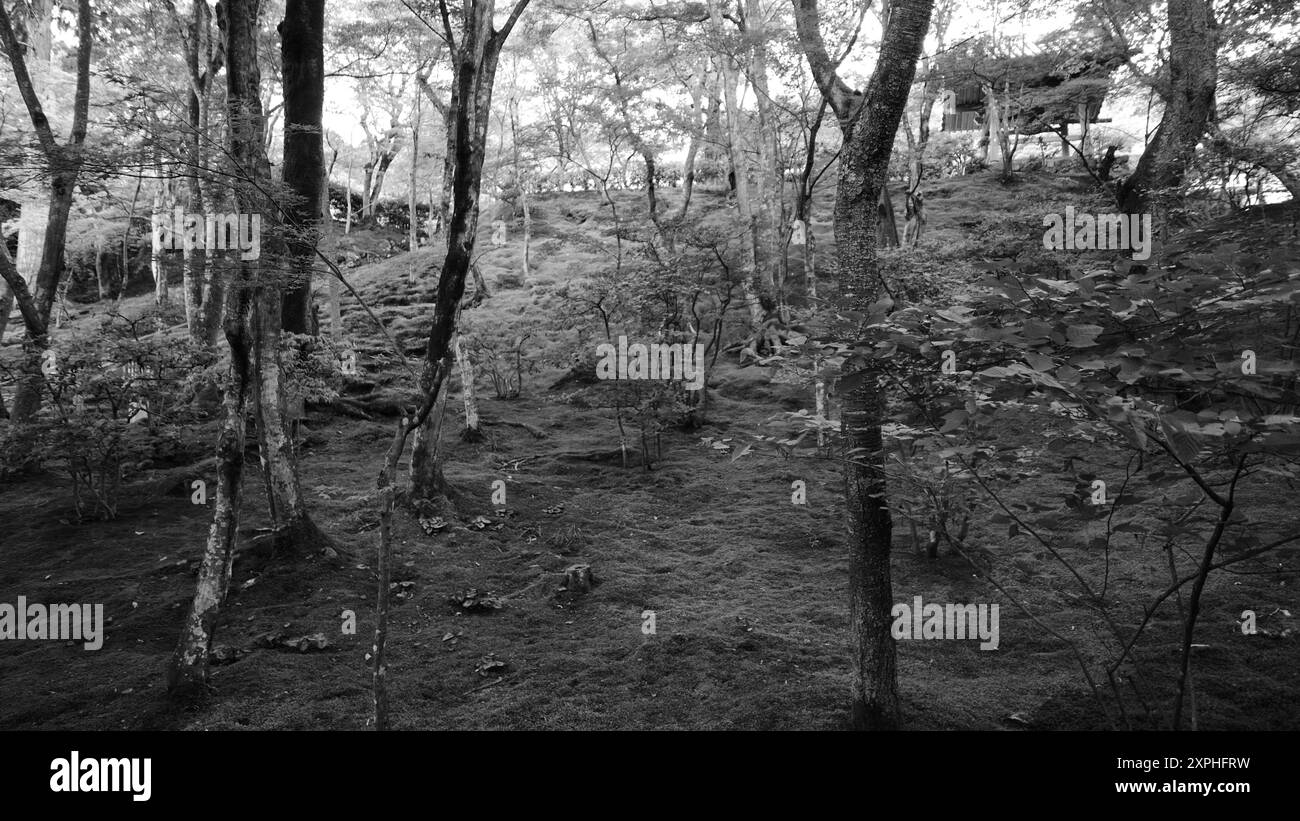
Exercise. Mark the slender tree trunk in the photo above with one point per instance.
(279, 461)
(869, 124)
(99, 271)
(187, 675)
(295, 529)
(751, 280)
(804, 204)
(6, 304)
(476, 60)
(413, 232)
(35, 205)
(698, 129)
(772, 216)
(381, 167)
(206, 326)
(367, 179)
(347, 220)
(471, 433)
(810, 252)
(203, 59)
(528, 233)
(986, 133)
(522, 184)
(161, 207)
(887, 226)
(448, 165)
(37, 341)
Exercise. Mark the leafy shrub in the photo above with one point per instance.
(119, 403)
(950, 154)
(913, 277)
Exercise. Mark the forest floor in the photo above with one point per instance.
(749, 592)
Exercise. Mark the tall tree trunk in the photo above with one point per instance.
(772, 215)
(187, 674)
(522, 184)
(37, 341)
(162, 205)
(699, 127)
(448, 166)
(887, 225)
(206, 326)
(295, 529)
(986, 131)
(245, 317)
(751, 281)
(377, 172)
(203, 59)
(347, 219)
(99, 271)
(34, 206)
(302, 56)
(63, 164)
(1189, 105)
(471, 432)
(196, 260)
(367, 179)
(413, 224)
(930, 87)
(868, 123)
(6, 301)
(204, 286)
(476, 60)
(803, 206)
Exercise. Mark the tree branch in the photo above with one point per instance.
(838, 94)
(24, 79)
(26, 304)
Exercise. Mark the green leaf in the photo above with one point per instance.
(1183, 445)
(1130, 370)
(953, 420)
(1082, 336)
(1039, 362)
(1134, 431)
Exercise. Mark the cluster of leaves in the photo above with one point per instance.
(950, 154)
(1157, 359)
(312, 367)
(1190, 367)
(120, 404)
(915, 278)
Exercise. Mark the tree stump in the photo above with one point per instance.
(578, 579)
